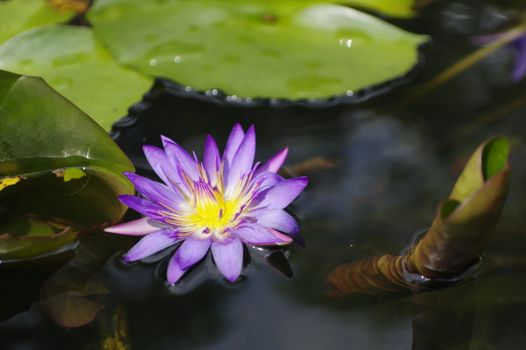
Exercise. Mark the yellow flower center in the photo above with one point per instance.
(216, 214)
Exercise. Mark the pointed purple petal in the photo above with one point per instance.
(234, 140)
(243, 159)
(229, 258)
(258, 235)
(138, 227)
(151, 244)
(211, 159)
(154, 191)
(267, 180)
(277, 219)
(143, 206)
(160, 164)
(283, 237)
(179, 158)
(482, 40)
(519, 71)
(174, 271)
(283, 193)
(274, 164)
(191, 251)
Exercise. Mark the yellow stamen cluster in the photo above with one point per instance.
(208, 210)
(215, 214)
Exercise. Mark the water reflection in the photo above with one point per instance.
(444, 319)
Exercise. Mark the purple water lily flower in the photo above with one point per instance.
(218, 204)
(519, 45)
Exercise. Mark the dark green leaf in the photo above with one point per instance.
(59, 171)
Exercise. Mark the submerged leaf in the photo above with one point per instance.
(19, 15)
(65, 296)
(70, 296)
(74, 64)
(71, 311)
(270, 49)
(68, 170)
(113, 329)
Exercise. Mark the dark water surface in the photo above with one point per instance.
(393, 163)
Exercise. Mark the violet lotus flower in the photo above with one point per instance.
(519, 45)
(218, 204)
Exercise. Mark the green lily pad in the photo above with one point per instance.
(60, 172)
(270, 49)
(19, 15)
(79, 68)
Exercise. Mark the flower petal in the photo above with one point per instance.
(277, 219)
(143, 206)
(234, 140)
(155, 191)
(481, 40)
(228, 258)
(519, 72)
(243, 159)
(138, 227)
(174, 271)
(274, 163)
(179, 158)
(151, 244)
(267, 180)
(211, 159)
(161, 165)
(283, 193)
(286, 239)
(258, 235)
(191, 251)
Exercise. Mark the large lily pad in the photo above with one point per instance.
(270, 49)
(59, 171)
(19, 15)
(79, 68)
